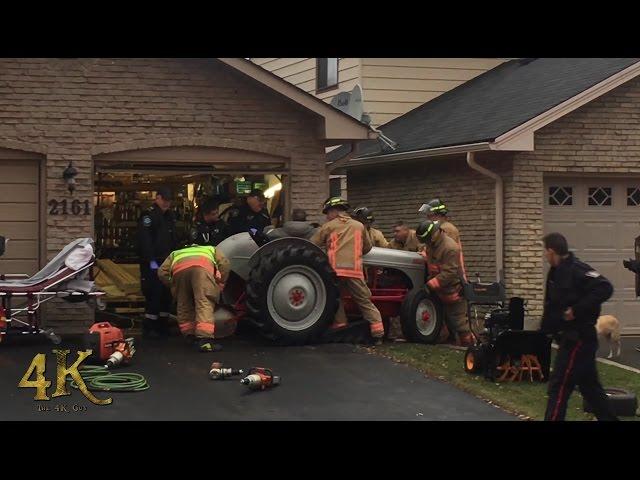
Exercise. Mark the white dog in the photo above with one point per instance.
(608, 328)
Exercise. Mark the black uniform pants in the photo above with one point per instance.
(575, 365)
(157, 297)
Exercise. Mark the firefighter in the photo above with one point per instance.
(365, 216)
(156, 240)
(573, 296)
(251, 215)
(346, 240)
(404, 238)
(437, 211)
(296, 227)
(196, 276)
(209, 229)
(444, 278)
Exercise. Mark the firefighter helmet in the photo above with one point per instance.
(434, 206)
(426, 230)
(335, 202)
(363, 214)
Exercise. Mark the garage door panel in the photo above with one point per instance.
(601, 236)
(20, 172)
(18, 193)
(21, 250)
(28, 267)
(19, 212)
(19, 230)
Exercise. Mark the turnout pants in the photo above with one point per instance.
(362, 297)
(196, 294)
(575, 365)
(455, 315)
(157, 297)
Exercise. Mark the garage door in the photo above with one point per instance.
(19, 207)
(600, 218)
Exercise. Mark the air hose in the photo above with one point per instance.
(99, 379)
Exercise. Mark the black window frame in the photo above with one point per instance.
(322, 70)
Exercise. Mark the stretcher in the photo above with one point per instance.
(66, 276)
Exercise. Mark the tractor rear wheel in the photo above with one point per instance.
(292, 294)
(421, 317)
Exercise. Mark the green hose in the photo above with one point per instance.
(100, 379)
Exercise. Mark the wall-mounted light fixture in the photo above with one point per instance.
(69, 176)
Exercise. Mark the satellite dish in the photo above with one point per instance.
(349, 102)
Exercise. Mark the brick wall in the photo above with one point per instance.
(600, 137)
(396, 192)
(70, 106)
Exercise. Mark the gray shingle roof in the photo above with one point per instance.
(491, 104)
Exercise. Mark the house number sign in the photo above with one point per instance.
(62, 207)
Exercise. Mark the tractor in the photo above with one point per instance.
(288, 290)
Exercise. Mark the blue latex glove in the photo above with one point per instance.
(153, 264)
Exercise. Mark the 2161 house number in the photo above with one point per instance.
(62, 207)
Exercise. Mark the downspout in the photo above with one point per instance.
(499, 212)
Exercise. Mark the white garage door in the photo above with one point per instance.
(601, 219)
(19, 207)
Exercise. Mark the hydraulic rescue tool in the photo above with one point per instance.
(260, 378)
(216, 372)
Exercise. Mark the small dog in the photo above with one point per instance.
(608, 328)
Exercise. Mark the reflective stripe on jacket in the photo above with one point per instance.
(194, 256)
(345, 240)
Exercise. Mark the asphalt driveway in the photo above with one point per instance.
(325, 382)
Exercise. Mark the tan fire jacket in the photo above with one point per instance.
(346, 240)
(223, 267)
(452, 231)
(444, 268)
(411, 245)
(377, 238)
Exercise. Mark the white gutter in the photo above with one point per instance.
(499, 212)
(431, 152)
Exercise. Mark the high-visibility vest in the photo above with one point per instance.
(194, 256)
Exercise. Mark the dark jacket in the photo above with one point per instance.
(574, 284)
(241, 219)
(293, 229)
(157, 236)
(210, 234)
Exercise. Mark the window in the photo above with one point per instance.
(600, 196)
(561, 196)
(335, 187)
(326, 73)
(633, 196)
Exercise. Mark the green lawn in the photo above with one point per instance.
(523, 398)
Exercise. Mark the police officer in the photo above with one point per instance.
(251, 215)
(209, 229)
(156, 240)
(365, 216)
(573, 297)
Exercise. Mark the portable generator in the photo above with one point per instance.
(108, 345)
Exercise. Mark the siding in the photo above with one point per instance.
(391, 86)
(394, 86)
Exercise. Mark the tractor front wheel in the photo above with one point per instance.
(421, 317)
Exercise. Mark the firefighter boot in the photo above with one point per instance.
(206, 345)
